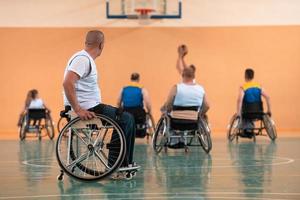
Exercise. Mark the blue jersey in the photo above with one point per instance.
(252, 92)
(132, 96)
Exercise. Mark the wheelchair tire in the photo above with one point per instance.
(270, 127)
(159, 138)
(90, 150)
(150, 125)
(233, 128)
(23, 128)
(49, 126)
(204, 136)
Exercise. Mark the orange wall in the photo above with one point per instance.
(36, 58)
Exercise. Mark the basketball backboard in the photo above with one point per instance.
(131, 9)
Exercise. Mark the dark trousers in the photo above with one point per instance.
(127, 124)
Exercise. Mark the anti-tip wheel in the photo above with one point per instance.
(128, 176)
(60, 177)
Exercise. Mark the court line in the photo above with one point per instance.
(162, 194)
(287, 161)
(205, 197)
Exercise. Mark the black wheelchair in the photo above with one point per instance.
(90, 150)
(261, 122)
(145, 124)
(37, 122)
(183, 124)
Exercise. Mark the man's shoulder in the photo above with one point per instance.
(81, 56)
(252, 84)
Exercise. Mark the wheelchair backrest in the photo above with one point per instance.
(252, 110)
(138, 113)
(36, 113)
(190, 113)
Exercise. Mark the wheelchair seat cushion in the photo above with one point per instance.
(184, 114)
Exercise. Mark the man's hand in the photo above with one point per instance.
(269, 113)
(85, 114)
(182, 50)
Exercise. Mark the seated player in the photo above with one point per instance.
(134, 98)
(250, 94)
(33, 101)
(187, 94)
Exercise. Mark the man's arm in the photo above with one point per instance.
(240, 101)
(119, 101)
(267, 98)
(168, 104)
(181, 64)
(205, 105)
(69, 88)
(147, 102)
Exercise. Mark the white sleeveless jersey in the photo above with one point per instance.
(36, 104)
(189, 95)
(87, 90)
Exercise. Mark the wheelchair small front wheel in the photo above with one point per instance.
(90, 150)
(270, 127)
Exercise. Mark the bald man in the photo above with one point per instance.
(82, 92)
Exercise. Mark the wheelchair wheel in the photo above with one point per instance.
(233, 128)
(23, 129)
(159, 138)
(204, 136)
(270, 127)
(62, 122)
(92, 149)
(150, 125)
(49, 126)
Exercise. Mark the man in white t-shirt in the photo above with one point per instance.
(82, 93)
(187, 93)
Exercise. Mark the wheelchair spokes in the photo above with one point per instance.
(264, 122)
(270, 127)
(90, 150)
(233, 130)
(165, 136)
(204, 136)
(150, 125)
(49, 126)
(159, 138)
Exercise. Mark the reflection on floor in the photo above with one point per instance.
(243, 170)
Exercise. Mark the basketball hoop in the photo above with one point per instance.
(144, 13)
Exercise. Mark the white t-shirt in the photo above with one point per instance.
(189, 95)
(36, 104)
(87, 91)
